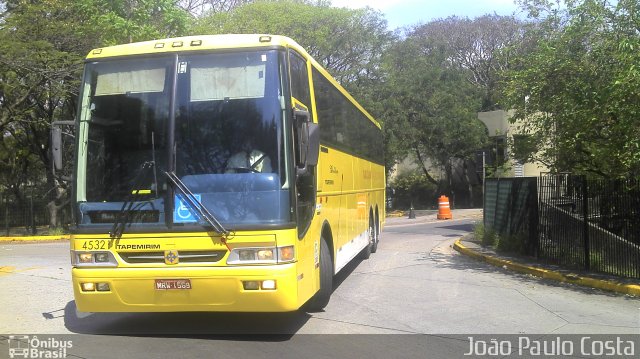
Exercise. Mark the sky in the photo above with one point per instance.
(403, 13)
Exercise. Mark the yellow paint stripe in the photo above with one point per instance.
(34, 238)
(4, 270)
(9, 270)
(611, 286)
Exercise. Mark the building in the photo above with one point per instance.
(504, 135)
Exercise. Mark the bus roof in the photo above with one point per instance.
(194, 43)
(215, 42)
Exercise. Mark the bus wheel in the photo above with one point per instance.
(366, 252)
(376, 239)
(321, 298)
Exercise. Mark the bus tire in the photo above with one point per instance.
(376, 236)
(321, 298)
(366, 251)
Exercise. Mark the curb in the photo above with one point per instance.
(611, 286)
(34, 238)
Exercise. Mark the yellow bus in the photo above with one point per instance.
(219, 173)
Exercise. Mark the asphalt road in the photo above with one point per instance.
(415, 284)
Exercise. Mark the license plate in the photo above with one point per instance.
(166, 284)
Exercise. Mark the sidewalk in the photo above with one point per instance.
(472, 248)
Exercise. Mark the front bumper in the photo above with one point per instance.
(212, 289)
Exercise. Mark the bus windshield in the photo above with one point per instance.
(228, 139)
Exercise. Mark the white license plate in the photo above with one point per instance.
(167, 284)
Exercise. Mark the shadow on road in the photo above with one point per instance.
(232, 326)
(457, 261)
(265, 326)
(467, 227)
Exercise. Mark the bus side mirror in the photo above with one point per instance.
(57, 147)
(308, 141)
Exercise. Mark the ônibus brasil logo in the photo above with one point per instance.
(25, 346)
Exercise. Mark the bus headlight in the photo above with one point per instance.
(85, 258)
(265, 254)
(269, 255)
(93, 259)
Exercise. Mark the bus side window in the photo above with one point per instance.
(300, 80)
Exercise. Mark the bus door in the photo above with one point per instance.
(308, 245)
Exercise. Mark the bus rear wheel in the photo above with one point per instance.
(321, 298)
(366, 251)
(376, 238)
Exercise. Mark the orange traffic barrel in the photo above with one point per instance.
(444, 210)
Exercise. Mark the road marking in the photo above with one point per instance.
(5, 270)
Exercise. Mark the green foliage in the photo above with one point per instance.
(486, 236)
(349, 43)
(56, 231)
(472, 45)
(502, 243)
(430, 107)
(414, 188)
(135, 20)
(575, 86)
(42, 45)
(510, 243)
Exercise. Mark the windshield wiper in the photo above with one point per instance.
(124, 215)
(194, 203)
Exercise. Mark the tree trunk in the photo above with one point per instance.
(424, 168)
(54, 209)
(468, 182)
(53, 214)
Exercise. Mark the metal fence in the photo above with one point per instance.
(590, 224)
(23, 218)
(572, 221)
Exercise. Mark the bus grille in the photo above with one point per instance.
(184, 257)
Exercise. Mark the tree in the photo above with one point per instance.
(42, 44)
(576, 90)
(474, 45)
(349, 43)
(431, 107)
(199, 7)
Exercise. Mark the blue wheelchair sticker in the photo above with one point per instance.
(182, 212)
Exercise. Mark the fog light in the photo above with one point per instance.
(85, 257)
(102, 257)
(251, 285)
(269, 284)
(88, 287)
(102, 287)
